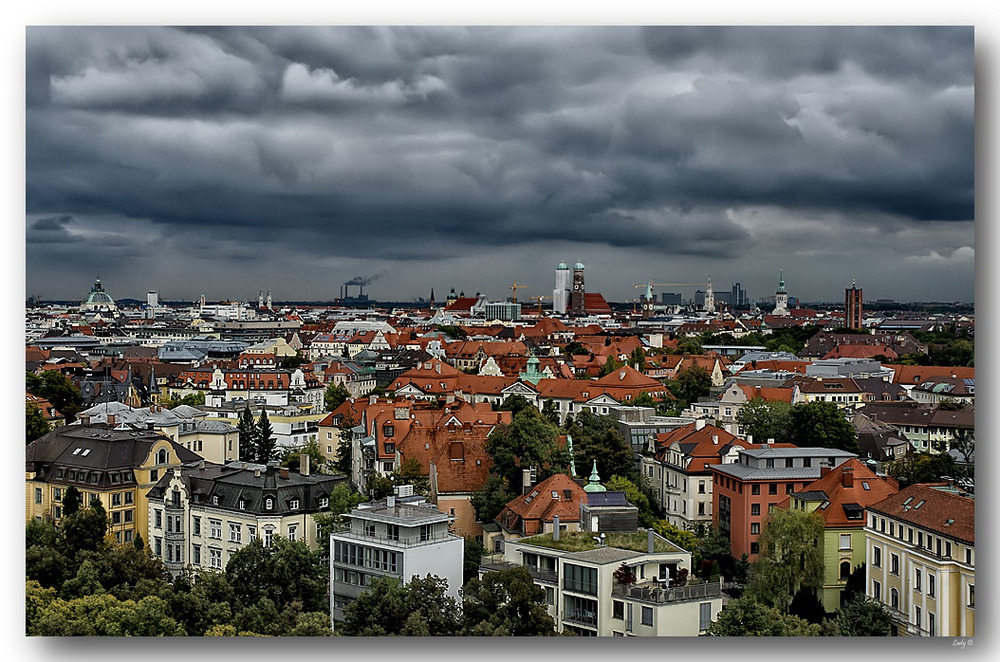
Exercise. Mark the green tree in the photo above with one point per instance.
(790, 558)
(863, 617)
(822, 425)
(265, 439)
(421, 607)
(690, 384)
(35, 424)
(765, 420)
(489, 500)
(472, 556)
(84, 530)
(610, 365)
(685, 539)
(550, 413)
(58, 389)
(529, 441)
(247, 427)
(598, 438)
(637, 359)
(72, 500)
(745, 617)
(688, 346)
(379, 486)
(293, 457)
(335, 395)
(922, 467)
(285, 572)
(504, 604)
(515, 404)
(342, 500)
(634, 495)
(105, 615)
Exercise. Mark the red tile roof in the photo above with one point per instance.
(838, 493)
(538, 506)
(944, 512)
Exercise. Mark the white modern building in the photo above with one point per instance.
(393, 537)
(585, 597)
(560, 295)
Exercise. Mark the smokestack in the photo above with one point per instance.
(555, 527)
(304, 460)
(699, 424)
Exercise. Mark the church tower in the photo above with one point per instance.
(781, 298)
(577, 297)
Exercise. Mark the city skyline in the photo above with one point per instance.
(210, 161)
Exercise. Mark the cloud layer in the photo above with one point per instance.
(228, 160)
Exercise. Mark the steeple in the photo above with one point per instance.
(781, 281)
(595, 482)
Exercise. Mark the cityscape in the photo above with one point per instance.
(587, 332)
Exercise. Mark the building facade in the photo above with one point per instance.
(921, 556)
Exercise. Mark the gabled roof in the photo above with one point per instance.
(866, 488)
(628, 377)
(915, 374)
(702, 447)
(538, 506)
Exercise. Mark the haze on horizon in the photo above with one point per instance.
(225, 161)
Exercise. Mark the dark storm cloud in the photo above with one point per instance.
(420, 144)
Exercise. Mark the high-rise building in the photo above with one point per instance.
(577, 298)
(853, 314)
(560, 295)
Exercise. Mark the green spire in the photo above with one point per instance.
(595, 482)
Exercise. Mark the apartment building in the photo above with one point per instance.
(616, 584)
(394, 537)
(203, 513)
(921, 555)
(743, 492)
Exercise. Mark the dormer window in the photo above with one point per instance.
(268, 503)
(324, 502)
(215, 499)
(161, 456)
(294, 504)
(242, 504)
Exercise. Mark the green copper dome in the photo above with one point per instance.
(562, 266)
(578, 265)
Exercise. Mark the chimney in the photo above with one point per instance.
(749, 438)
(555, 527)
(85, 419)
(649, 541)
(304, 460)
(847, 476)
(201, 465)
(283, 472)
(699, 424)
(256, 473)
(372, 399)
(390, 501)
(150, 424)
(715, 439)
(525, 480)
(824, 469)
(111, 420)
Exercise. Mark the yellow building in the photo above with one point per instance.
(921, 560)
(115, 465)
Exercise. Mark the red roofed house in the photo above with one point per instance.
(679, 471)
(726, 408)
(921, 560)
(534, 512)
(840, 497)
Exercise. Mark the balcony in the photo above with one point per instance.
(581, 616)
(543, 574)
(402, 541)
(656, 593)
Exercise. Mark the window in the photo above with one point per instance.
(916, 579)
(324, 502)
(704, 615)
(58, 512)
(116, 517)
(876, 590)
(294, 505)
(196, 526)
(972, 595)
(618, 610)
(807, 462)
(894, 567)
(241, 504)
(215, 529)
(701, 507)
(215, 558)
(755, 509)
(788, 462)
(894, 598)
(701, 485)
(158, 546)
(930, 585)
(930, 624)
(917, 616)
(57, 494)
(38, 495)
(154, 475)
(158, 518)
(292, 533)
(877, 557)
(772, 488)
(845, 540)
(769, 463)
(268, 535)
(755, 489)
(425, 532)
(755, 528)
(129, 515)
(161, 456)
(579, 578)
(268, 503)
(196, 554)
(755, 548)
(116, 499)
(128, 498)
(845, 570)
(647, 615)
(235, 532)
(370, 529)
(392, 531)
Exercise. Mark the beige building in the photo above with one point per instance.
(118, 466)
(921, 560)
(200, 515)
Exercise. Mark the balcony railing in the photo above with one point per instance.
(543, 574)
(656, 593)
(397, 542)
(584, 617)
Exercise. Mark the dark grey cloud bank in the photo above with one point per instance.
(228, 160)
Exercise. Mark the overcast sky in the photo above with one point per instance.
(226, 161)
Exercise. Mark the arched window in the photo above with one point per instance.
(894, 598)
(161, 456)
(268, 503)
(845, 569)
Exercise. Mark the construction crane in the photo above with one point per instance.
(539, 300)
(513, 290)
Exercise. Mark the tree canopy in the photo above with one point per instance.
(745, 617)
(420, 607)
(766, 420)
(790, 558)
(58, 389)
(504, 604)
(529, 441)
(863, 617)
(822, 425)
(35, 424)
(597, 437)
(335, 395)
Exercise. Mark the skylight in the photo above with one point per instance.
(920, 503)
